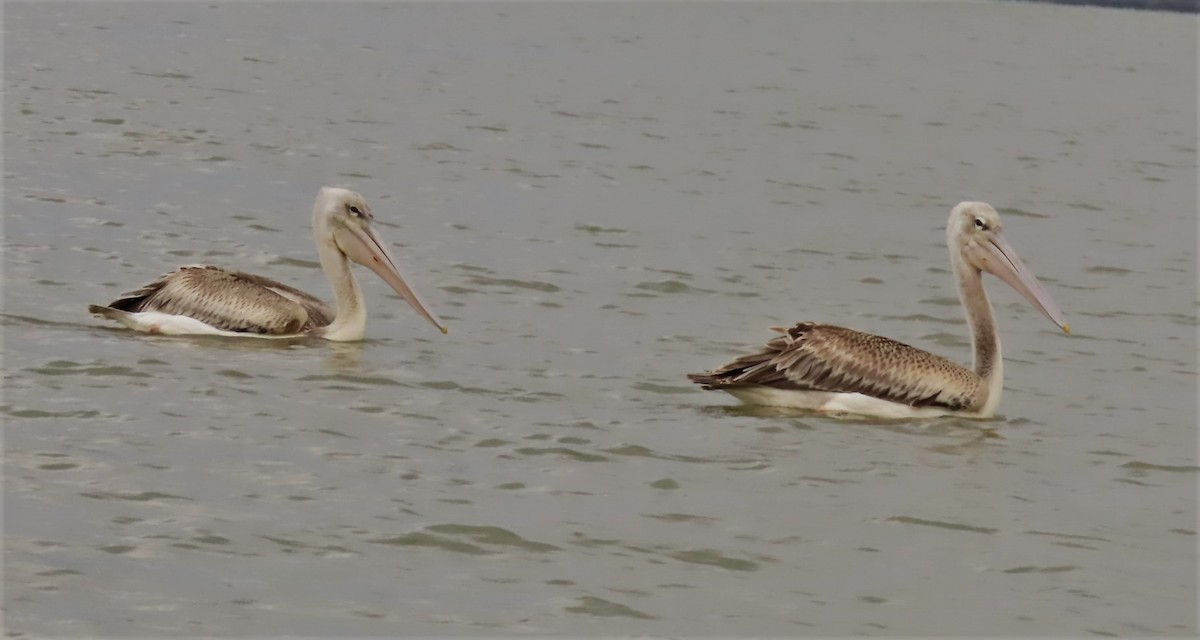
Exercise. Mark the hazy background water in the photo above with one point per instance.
(598, 199)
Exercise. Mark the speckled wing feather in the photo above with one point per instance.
(229, 300)
(818, 357)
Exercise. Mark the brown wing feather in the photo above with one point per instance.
(229, 300)
(817, 357)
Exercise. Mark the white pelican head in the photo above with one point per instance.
(344, 219)
(974, 236)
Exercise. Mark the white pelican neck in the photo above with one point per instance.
(350, 313)
(987, 362)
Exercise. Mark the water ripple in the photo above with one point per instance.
(446, 537)
(593, 606)
(941, 524)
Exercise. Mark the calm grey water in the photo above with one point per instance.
(598, 199)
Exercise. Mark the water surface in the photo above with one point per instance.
(597, 199)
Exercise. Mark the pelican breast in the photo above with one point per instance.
(229, 301)
(819, 357)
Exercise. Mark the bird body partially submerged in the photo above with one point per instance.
(208, 300)
(216, 301)
(810, 365)
(838, 370)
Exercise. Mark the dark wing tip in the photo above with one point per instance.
(710, 380)
(756, 368)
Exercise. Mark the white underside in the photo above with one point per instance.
(841, 403)
(173, 325)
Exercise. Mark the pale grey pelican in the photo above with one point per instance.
(202, 299)
(832, 369)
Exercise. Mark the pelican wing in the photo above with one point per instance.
(818, 357)
(229, 300)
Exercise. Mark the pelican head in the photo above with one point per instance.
(343, 219)
(974, 236)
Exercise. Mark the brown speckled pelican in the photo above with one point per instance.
(210, 300)
(837, 370)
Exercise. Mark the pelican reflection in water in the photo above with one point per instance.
(211, 300)
(838, 370)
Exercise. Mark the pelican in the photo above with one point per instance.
(202, 299)
(836, 370)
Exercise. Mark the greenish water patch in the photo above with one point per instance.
(1108, 270)
(669, 287)
(583, 540)
(58, 466)
(562, 451)
(13, 319)
(472, 268)
(68, 368)
(714, 558)
(679, 517)
(1146, 466)
(145, 496)
(534, 285)
(421, 539)
(942, 525)
(826, 480)
(1070, 536)
(593, 606)
(437, 146)
(57, 572)
(295, 262)
(1014, 211)
(536, 396)
(592, 229)
(449, 385)
(492, 536)
(458, 291)
(943, 301)
(662, 388)
(291, 544)
(922, 318)
(643, 452)
(799, 124)
(38, 413)
(476, 534)
(1035, 569)
(342, 377)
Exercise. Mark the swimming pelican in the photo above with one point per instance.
(837, 370)
(201, 299)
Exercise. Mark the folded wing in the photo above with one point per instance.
(817, 357)
(230, 301)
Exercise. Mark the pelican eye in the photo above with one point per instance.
(980, 224)
(354, 211)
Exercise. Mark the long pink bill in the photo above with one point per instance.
(998, 258)
(366, 249)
